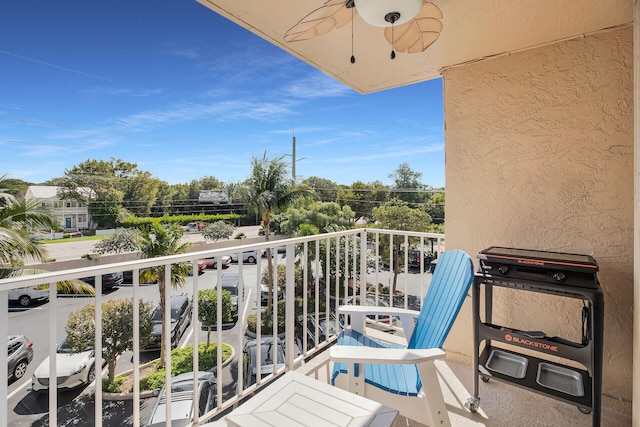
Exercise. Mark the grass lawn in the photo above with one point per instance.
(74, 239)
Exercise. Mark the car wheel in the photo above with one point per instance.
(24, 300)
(20, 369)
(251, 260)
(91, 376)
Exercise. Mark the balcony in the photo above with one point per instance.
(315, 269)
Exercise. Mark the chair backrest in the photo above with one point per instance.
(449, 286)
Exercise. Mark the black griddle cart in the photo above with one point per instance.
(560, 274)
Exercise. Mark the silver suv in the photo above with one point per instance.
(20, 354)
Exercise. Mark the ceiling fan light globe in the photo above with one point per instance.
(374, 11)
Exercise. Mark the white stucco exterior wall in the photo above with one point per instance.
(539, 155)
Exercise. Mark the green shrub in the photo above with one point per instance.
(182, 361)
(113, 386)
(134, 222)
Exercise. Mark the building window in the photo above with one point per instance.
(57, 204)
(81, 218)
(68, 204)
(43, 204)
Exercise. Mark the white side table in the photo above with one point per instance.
(298, 400)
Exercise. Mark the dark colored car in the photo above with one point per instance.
(109, 280)
(143, 279)
(326, 328)
(414, 259)
(180, 320)
(182, 400)
(270, 349)
(19, 355)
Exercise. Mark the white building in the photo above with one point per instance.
(71, 215)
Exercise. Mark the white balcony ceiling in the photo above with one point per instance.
(472, 30)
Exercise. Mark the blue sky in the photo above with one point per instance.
(184, 93)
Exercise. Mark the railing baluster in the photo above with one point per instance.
(53, 340)
(136, 347)
(4, 331)
(97, 367)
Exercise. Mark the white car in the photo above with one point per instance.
(248, 257)
(73, 370)
(25, 296)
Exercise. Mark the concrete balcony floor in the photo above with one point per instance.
(501, 405)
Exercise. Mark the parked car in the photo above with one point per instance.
(230, 282)
(143, 280)
(19, 355)
(202, 265)
(264, 294)
(212, 262)
(73, 370)
(109, 280)
(326, 328)
(180, 320)
(182, 400)
(270, 349)
(248, 257)
(25, 296)
(414, 259)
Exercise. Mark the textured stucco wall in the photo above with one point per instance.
(539, 154)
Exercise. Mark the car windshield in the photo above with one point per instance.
(157, 316)
(66, 348)
(266, 354)
(232, 289)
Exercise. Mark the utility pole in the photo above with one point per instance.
(293, 158)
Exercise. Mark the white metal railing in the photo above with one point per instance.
(321, 270)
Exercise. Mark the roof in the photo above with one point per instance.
(43, 192)
(471, 31)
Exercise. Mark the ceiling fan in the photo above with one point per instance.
(411, 26)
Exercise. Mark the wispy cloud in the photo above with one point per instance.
(389, 154)
(316, 86)
(113, 91)
(59, 67)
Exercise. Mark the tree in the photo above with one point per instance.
(208, 309)
(270, 190)
(321, 215)
(19, 220)
(397, 215)
(105, 185)
(217, 231)
(408, 183)
(362, 198)
(326, 189)
(117, 334)
(152, 242)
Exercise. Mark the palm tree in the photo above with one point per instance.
(155, 242)
(19, 220)
(152, 242)
(269, 190)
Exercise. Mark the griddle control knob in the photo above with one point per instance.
(503, 269)
(559, 277)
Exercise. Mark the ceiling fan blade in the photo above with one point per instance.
(334, 14)
(418, 34)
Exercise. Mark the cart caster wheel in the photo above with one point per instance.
(484, 379)
(473, 404)
(585, 411)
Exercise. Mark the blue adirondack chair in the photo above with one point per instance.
(404, 376)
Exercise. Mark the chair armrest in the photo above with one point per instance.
(359, 312)
(350, 354)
